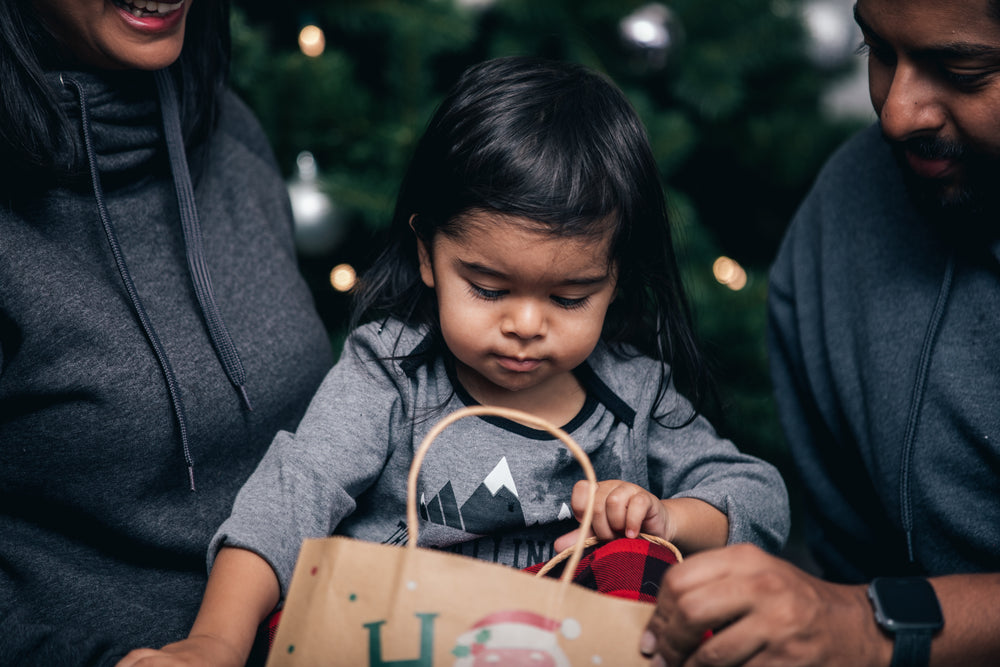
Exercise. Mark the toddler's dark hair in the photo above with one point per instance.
(559, 144)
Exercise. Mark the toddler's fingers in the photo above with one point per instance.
(639, 510)
(566, 541)
(600, 526)
(616, 505)
(578, 500)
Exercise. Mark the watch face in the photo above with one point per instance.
(906, 603)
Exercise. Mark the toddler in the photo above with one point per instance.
(530, 266)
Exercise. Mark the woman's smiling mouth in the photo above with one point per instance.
(149, 8)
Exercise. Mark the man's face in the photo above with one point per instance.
(934, 78)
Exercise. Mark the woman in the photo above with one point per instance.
(154, 330)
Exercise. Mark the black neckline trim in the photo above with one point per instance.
(605, 394)
(589, 405)
(418, 356)
(597, 393)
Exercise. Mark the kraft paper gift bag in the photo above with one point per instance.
(359, 603)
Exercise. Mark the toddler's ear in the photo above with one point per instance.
(424, 255)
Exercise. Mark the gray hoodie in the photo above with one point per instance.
(886, 366)
(102, 540)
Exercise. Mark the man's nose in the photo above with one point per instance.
(912, 106)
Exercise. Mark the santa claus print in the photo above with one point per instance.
(515, 638)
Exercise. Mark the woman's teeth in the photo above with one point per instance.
(140, 8)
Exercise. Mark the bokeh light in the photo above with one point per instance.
(343, 277)
(728, 272)
(312, 41)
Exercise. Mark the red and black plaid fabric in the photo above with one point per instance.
(625, 568)
(272, 627)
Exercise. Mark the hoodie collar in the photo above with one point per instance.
(125, 124)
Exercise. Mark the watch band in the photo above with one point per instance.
(911, 648)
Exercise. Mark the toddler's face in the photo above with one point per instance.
(519, 308)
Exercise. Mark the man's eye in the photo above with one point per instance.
(968, 80)
(879, 52)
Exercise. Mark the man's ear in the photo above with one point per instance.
(424, 256)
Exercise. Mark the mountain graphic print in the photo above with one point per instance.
(494, 505)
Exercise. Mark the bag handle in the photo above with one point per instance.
(518, 416)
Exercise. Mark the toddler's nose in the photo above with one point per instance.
(524, 318)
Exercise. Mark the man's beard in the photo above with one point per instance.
(972, 202)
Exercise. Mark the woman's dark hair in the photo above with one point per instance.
(560, 145)
(31, 123)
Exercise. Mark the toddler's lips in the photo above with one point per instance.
(519, 365)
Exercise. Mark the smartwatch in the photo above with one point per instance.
(908, 610)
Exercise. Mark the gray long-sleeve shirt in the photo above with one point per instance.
(488, 488)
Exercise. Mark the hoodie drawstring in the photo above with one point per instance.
(225, 350)
(916, 401)
(133, 295)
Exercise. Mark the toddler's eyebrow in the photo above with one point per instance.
(482, 269)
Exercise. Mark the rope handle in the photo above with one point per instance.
(576, 551)
(591, 541)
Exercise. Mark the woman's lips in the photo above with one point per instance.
(152, 16)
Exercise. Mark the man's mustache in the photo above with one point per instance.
(932, 148)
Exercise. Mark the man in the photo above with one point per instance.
(884, 309)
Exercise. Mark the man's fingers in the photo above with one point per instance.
(706, 567)
(669, 635)
(704, 593)
(734, 644)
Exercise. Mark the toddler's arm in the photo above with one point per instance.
(625, 509)
(242, 590)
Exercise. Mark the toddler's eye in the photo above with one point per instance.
(569, 304)
(487, 294)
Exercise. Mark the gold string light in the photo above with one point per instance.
(728, 272)
(312, 41)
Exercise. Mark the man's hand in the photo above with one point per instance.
(762, 611)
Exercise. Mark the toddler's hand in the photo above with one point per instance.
(620, 509)
(196, 651)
